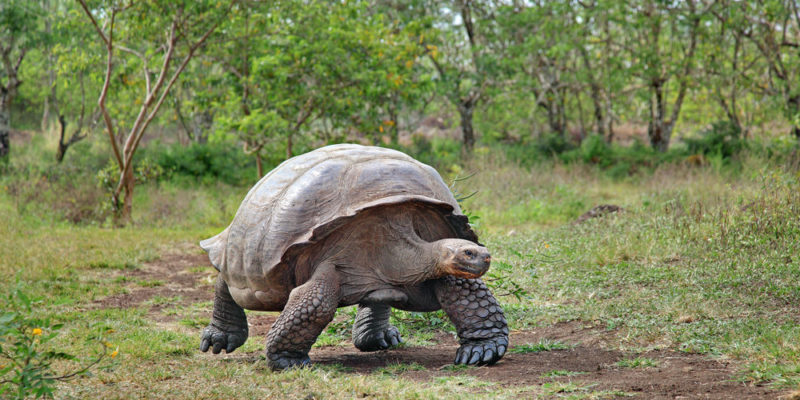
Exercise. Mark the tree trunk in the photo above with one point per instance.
(62, 145)
(259, 165)
(5, 128)
(465, 110)
(289, 146)
(794, 109)
(658, 130)
(127, 206)
(202, 126)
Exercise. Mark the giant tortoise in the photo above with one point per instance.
(345, 225)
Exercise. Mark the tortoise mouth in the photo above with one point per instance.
(469, 271)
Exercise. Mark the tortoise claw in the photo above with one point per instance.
(217, 339)
(378, 339)
(482, 352)
(285, 360)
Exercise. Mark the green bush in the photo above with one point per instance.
(721, 139)
(440, 153)
(201, 162)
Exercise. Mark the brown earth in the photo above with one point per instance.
(676, 376)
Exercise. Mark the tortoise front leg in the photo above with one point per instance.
(310, 308)
(479, 320)
(228, 327)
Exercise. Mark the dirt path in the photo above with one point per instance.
(675, 376)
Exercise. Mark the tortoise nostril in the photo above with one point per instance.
(488, 259)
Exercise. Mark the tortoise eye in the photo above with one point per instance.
(468, 253)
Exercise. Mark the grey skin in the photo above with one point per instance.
(398, 242)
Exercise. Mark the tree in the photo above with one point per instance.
(175, 31)
(604, 72)
(462, 57)
(542, 55)
(311, 66)
(18, 34)
(662, 43)
(773, 27)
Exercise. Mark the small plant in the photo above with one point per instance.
(150, 283)
(25, 356)
(421, 322)
(552, 388)
(500, 281)
(543, 345)
(638, 362)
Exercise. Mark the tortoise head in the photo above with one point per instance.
(462, 258)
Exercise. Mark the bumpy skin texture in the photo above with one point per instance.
(371, 329)
(310, 308)
(479, 320)
(228, 327)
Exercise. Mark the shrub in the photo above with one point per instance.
(722, 139)
(202, 162)
(26, 358)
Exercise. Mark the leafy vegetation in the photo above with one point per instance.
(685, 114)
(544, 345)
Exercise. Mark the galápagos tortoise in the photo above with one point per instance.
(343, 225)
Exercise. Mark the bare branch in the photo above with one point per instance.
(107, 40)
(101, 102)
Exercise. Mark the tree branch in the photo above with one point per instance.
(107, 40)
(101, 101)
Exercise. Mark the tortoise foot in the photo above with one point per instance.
(482, 352)
(218, 339)
(378, 339)
(287, 359)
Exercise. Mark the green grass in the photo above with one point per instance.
(542, 345)
(397, 369)
(638, 362)
(705, 260)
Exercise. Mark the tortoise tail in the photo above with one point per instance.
(215, 247)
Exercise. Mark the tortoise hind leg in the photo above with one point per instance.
(310, 308)
(228, 327)
(372, 331)
(479, 320)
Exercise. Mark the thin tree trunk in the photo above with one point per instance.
(7, 94)
(259, 165)
(62, 146)
(289, 146)
(5, 128)
(794, 108)
(658, 130)
(465, 110)
(127, 207)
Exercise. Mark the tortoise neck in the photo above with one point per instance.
(411, 259)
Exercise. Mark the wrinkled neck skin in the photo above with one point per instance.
(407, 260)
(383, 252)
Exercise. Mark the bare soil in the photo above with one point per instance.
(676, 376)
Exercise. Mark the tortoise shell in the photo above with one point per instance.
(305, 199)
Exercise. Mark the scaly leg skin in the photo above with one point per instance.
(479, 320)
(310, 308)
(228, 327)
(372, 331)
